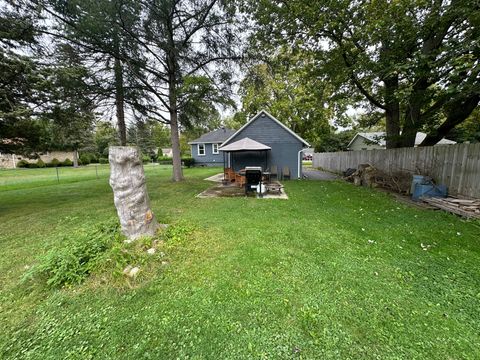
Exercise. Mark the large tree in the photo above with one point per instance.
(415, 61)
(23, 83)
(177, 40)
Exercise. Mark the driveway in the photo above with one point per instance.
(312, 174)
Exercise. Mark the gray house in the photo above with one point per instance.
(205, 148)
(264, 141)
(376, 140)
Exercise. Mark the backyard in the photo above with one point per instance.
(336, 271)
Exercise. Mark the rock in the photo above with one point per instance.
(126, 271)
(133, 273)
(151, 251)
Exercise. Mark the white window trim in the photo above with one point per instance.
(213, 149)
(198, 150)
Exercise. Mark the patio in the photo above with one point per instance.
(231, 189)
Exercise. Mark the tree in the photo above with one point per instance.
(414, 61)
(22, 83)
(177, 40)
(285, 86)
(105, 136)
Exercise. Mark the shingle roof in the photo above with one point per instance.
(215, 136)
(245, 144)
(379, 138)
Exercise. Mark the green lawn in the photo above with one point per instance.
(334, 272)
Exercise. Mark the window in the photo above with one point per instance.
(201, 149)
(214, 148)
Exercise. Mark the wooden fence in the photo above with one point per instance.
(457, 166)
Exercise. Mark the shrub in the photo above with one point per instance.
(84, 159)
(32, 165)
(78, 255)
(103, 160)
(54, 163)
(146, 159)
(22, 164)
(188, 161)
(40, 163)
(67, 162)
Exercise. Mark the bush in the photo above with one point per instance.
(22, 164)
(67, 162)
(146, 159)
(40, 163)
(188, 161)
(78, 255)
(54, 163)
(32, 165)
(84, 159)
(103, 160)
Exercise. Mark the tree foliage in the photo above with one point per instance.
(417, 62)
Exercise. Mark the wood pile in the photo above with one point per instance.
(368, 175)
(469, 208)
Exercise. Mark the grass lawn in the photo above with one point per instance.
(334, 272)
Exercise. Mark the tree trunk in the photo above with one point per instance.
(174, 135)
(459, 111)
(392, 113)
(177, 160)
(75, 158)
(120, 102)
(127, 180)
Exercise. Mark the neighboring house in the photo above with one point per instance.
(264, 141)
(168, 152)
(376, 140)
(9, 161)
(205, 148)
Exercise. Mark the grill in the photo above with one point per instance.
(253, 179)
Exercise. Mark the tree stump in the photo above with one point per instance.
(127, 179)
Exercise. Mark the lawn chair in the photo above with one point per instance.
(240, 180)
(286, 172)
(229, 174)
(274, 172)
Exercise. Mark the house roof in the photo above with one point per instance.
(271, 117)
(245, 144)
(378, 137)
(215, 136)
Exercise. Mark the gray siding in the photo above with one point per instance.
(285, 146)
(209, 159)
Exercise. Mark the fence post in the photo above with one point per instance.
(58, 177)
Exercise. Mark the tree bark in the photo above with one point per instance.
(392, 113)
(120, 102)
(459, 111)
(127, 179)
(75, 158)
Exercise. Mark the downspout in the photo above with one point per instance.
(300, 163)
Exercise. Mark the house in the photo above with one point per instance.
(264, 141)
(376, 140)
(9, 161)
(168, 152)
(205, 149)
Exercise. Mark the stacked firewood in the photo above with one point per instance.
(469, 208)
(368, 175)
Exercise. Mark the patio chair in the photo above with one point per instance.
(274, 172)
(229, 174)
(240, 180)
(286, 172)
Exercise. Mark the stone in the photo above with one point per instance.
(133, 272)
